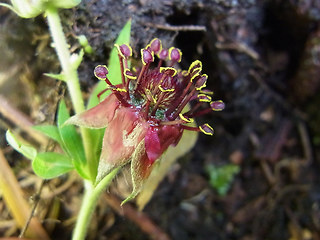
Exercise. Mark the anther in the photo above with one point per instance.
(217, 105)
(206, 129)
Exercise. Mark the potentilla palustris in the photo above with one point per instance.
(145, 114)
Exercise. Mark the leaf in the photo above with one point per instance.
(26, 150)
(85, 44)
(82, 171)
(188, 140)
(222, 177)
(114, 67)
(50, 131)
(71, 139)
(49, 165)
(59, 76)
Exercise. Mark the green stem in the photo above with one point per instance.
(72, 80)
(89, 202)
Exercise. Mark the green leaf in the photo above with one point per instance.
(82, 171)
(59, 76)
(114, 67)
(222, 177)
(85, 44)
(71, 139)
(26, 150)
(50, 131)
(50, 165)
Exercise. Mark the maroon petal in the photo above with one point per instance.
(152, 144)
(169, 135)
(98, 116)
(159, 138)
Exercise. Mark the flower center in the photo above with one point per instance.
(162, 93)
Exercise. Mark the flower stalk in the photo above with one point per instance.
(89, 202)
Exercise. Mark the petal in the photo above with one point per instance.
(152, 144)
(159, 138)
(169, 135)
(121, 137)
(140, 170)
(98, 116)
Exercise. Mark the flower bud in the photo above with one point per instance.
(33, 8)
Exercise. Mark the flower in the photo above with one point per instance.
(144, 114)
(33, 8)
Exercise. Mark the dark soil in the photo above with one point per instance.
(262, 59)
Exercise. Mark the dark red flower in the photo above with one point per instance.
(145, 114)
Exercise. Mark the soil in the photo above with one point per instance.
(263, 61)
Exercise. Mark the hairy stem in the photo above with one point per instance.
(72, 80)
(89, 202)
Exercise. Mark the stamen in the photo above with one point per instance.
(206, 91)
(176, 104)
(214, 106)
(146, 112)
(196, 129)
(155, 45)
(102, 92)
(140, 75)
(129, 74)
(117, 93)
(101, 72)
(175, 54)
(124, 50)
(204, 98)
(195, 67)
(168, 71)
(122, 71)
(201, 82)
(163, 54)
(183, 103)
(175, 122)
(160, 98)
(217, 105)
(185, 118)
(146, 56)
(206, 129)
(165, 90)
(156, 87)
(193, 109)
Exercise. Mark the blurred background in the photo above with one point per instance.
(256, 178)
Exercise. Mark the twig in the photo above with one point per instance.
(139, 218)
(306, 144)
(276, 96)
(13, 196)
(240, 47)
(181, 28)
(36, 199)
(20, 119)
